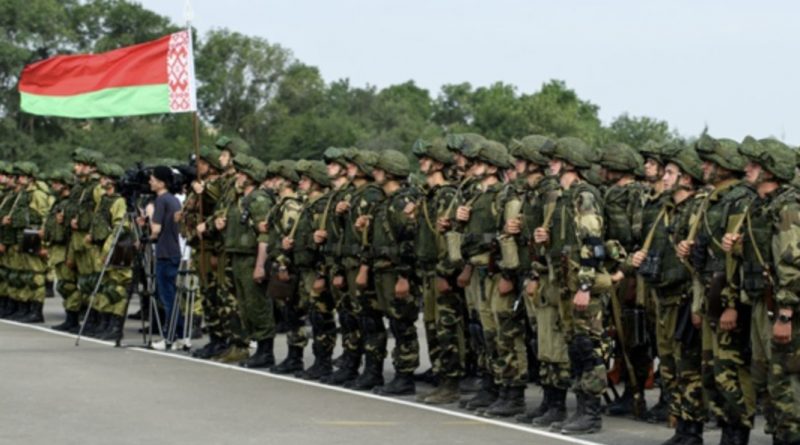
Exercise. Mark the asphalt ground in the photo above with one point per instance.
(54, 392)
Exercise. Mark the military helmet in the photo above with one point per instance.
(532, 148)
(86, 156)
(287, 169)
(420, 148)
(653, 150)
(436, 150)
(110, 170)
(250, 166)
(592, 175)
(574, 151)
(773, 155)
(273, 168)
(365, 160)
(5, 167)
(467, 144)
(211, 155)
(494, 153)
(317, 171)
(62, 176)
(394, 163)
(234, 145)
(26, 168)
(335, 154)
(622, 158)
(723, 152)
(687, 159)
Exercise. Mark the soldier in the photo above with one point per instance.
(574, 251)
(306, 257)
(678, 339)
(244, 247)
(108, 229)
(623, 203)
(443, 305)
(56, 235)
(7, 239)
(283, 223)
(725, 317)
(31, 205)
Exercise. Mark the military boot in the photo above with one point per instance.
(102, 325)
(322, 367)
(660, 411)
(589, 422)
(513, 404)
(739, 435)
(69, 323)
(680, 434)
(3, 303)
(401, 385)
(34, 314)
(114, 331)
(234, 354)
(446, 392)
(537, 411)
(556, 411)
(347, 372)
(371, 377)
(499, 401)
(214, 346)
(579, 409)
(291, 364)
(91, 323)
(622, 406)
(23, 307)
(9, 308)
(693, 433)
(485, 397)
(264, 356)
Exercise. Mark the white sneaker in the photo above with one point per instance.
(182, 344)
(160, 345)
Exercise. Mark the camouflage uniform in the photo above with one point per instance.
(56, 237)
(9, 307)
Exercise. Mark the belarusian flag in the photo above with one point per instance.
(152, 77)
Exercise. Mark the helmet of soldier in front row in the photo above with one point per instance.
(365, 160)
(394, 163)
(314, 170)
(723, 152)
(110, 170)
(686, 158)
(574, 151)
(494, 153)
(772, 155)
(532, 148)
(251, 167)
(26, 168)
(622, 158)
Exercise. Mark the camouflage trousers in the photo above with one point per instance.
(551, 345)
(321, 315)
(584, 335)
(86, 258)
(482, 326)
(402, 314)
(67, 286)
(429, 310)
(726, 372)
(112, 295)
(295, 313)
(510, 368)
(785, 386)
(255, 309)
(689, 379)
(344, 302)
(448, 349)
(215, 313)
(667, 309)
(31, 276)
(353, 339)
(760, 339)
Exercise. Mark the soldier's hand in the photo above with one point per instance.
(219, 223)
(287, 243)
(320, 236)
(319, 285)
(342, 206)
(782, 332)
(730, 240)
(140, 221)
(41, 233)
(259, 274)
(531, 287)
(638, 258)
(442, 285)
(43, 253)
(617, 277)
(362, 279)
(198, 187)
(69, 263)
(410, 210)
(697, 320)
(283, 274)
(443, 224)
(513, 226)
(338, 282)
(581, 300)
(88, 239)
(178, 216)
(262, 227)
(541, 235)
(464, 277)
(684, 247)
(727, 322)
(6, 220)
(463, 213)
(505, 286)
(401, 288)
(2, 248)
(60, 218)
(362, 222)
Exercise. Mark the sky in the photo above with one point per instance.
(731, 65)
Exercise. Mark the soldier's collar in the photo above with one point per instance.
(722, 187)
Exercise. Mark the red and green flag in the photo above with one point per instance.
(151, 77)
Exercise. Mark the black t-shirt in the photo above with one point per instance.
(168, 244)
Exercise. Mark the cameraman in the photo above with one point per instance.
(164, 232)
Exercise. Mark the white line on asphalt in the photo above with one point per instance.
(435, 409)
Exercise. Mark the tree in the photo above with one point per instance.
(635, 131)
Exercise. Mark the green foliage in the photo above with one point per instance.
(258, 91)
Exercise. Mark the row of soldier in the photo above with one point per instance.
(550, 246)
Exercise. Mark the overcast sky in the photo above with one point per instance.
(732, 64)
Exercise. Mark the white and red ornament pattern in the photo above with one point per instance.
(180, 73)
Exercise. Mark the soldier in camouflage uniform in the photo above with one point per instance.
(303, 258)
(725, 316)
(7, 305)
(55, 239)
(283, 224)
(244, 247)
(678, 339)
(574, 252)
(27, 257)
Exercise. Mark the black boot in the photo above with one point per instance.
(292, 363)
(622, 406)
(740, 435)
(91, 322)
(101, 327)
(9, 308)
(264, 356)
(660, 411)
(529, 415)
(3, 303)
(34, 314)
(485, 397)
(693, 433)
(214, 346)
(322, 367)
(71, 322)
(114, 330)
(680, 434)
(580, 400)
(197, 328)
(371, 377)
(513, 404)
(23, 307)
(557, 410)
(347, 371)
(589, 422)
(401, 385)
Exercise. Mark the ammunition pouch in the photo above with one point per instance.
(634, 324)
(699, 252)
(714, 296)
(279, 289)
(31, 242)
(650, 269)
(454, 240)
(753, 280)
